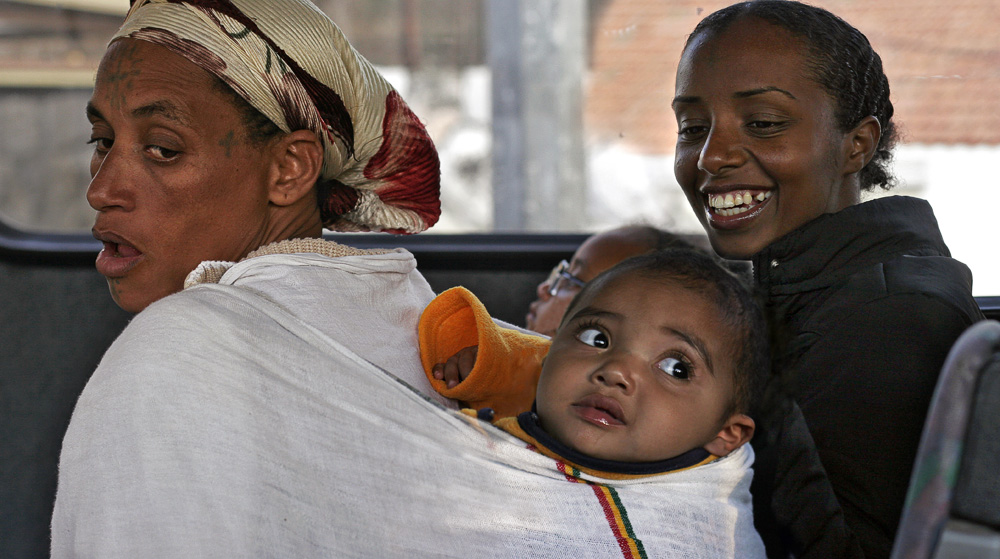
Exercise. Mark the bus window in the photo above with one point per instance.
(549, 116)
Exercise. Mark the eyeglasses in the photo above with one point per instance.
(560, 273)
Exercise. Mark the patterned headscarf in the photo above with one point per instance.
(289, 61)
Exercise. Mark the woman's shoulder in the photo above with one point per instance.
(936, 276)
(912, 296)
(179, 336)
(164, 371)
(934, 285)
(193, 311)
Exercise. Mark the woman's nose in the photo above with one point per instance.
(721, 151)
(109, 185)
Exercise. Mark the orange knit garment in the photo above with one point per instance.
(507, 365)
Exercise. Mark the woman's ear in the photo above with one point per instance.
(737, 430)
(861, 144)
(298, 160)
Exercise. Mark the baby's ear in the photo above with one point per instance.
(737, 430)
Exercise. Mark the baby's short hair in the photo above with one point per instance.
(696, 270)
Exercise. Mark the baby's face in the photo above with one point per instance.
(640, 371)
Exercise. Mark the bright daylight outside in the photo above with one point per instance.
(550, 115)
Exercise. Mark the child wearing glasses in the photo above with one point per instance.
(598, 253)
(652, 370)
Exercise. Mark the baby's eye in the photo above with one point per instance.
(675, 368)
(593, 337)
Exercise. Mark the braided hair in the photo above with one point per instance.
(841, 61)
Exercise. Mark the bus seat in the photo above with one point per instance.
(56, 320)
(952, 508)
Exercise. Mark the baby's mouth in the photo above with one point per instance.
(734, 203)
(600, 410)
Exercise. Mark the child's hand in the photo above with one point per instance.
(457, 367)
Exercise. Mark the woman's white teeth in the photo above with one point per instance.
(732, 211)
(735, 203)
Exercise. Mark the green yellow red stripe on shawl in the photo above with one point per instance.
(614, 513)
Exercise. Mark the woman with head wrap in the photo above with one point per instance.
(268, 400)
(269, 130)
(227, 134)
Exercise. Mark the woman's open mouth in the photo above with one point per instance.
(117, 257)
(729, 210)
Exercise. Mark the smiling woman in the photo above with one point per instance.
(789, 104)
(778, 125)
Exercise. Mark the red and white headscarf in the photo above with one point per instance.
(289, 61)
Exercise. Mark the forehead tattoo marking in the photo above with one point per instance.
(228, 142)
(125, 66)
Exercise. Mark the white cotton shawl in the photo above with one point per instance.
(229, 421)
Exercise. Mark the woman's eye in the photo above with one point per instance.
(675, 368)
(765, 126)
(161, 152)
(102, 145)
(593, 337)
(691, 132)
